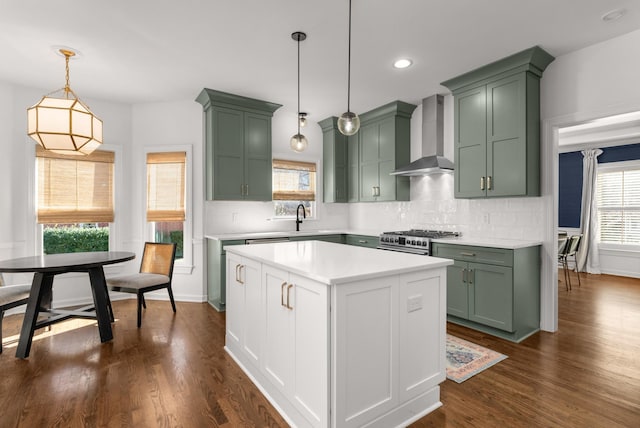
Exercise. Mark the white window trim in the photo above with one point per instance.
(613, 167)
(183, 266)
(114, 228)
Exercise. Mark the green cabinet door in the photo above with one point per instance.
(362, 241)
(470, 132)
(457, 290)
(257, 155)
(506, 137)
(227, 153)
(369, 141)
(335, 165)
(353, 179)
(491, 295)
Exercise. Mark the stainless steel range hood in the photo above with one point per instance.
(433, 159)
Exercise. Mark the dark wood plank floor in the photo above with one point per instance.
(173, 371)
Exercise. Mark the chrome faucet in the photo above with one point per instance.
(298, 219)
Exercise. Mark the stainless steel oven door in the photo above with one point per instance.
(421, 252)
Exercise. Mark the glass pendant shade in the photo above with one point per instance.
(64, 126)
(299, 143)
(348, 123)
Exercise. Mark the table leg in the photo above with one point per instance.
(101, 302)
(40, 287)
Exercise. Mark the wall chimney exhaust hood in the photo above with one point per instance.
(433, 159)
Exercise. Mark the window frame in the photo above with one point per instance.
(184, 265)
(615, 167)
(314, 203)
(114, 227)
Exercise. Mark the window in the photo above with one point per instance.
(166, 173)
(618, 197)
(74, 201)
(294, 183)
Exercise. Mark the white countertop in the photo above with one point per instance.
(510, 244)
(332, 263)
(284, 234)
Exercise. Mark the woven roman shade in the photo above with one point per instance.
(293, 180)
(166, 186)
(74, 189)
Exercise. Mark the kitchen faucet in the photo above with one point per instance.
(298, 219)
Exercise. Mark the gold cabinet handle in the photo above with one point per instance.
(362, 241)
(471, 276)
(240, 274)
(481, 183)
(289, 296)
(237, 274)
(464, 253)
(488, 182)
(242, 190)
(282, 294)
(377, 190)
(246, 192)
(464, 275)
(373, 191)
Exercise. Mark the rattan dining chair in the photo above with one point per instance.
(11, 296)
(156, 272)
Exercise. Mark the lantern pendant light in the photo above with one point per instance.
(299, 142)
(349, 122)
(64, 124)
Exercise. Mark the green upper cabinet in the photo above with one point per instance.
(382, 145)
(334, 161)
(237, 134)
(497, 127)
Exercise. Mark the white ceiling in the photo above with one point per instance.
(137, 51)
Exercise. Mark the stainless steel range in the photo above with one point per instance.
(415, 241)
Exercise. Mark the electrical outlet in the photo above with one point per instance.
(414, 303)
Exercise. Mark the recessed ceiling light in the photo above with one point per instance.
(613, 15)
(402, 63)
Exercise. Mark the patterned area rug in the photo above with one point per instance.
(465, 359)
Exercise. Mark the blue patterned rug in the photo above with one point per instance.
(465, 359)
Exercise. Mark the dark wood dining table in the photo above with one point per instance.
(44, 269)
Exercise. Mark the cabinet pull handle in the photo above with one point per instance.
(362, 241)
(464, 253)
(282, 294)
(246, 192)
(471, 276)
(481, 183)
(288, 296)
(373, 191)
(240, 272)
(377, 190)
(237, 275)
(464, 275)
(488, 182)
(242, 190)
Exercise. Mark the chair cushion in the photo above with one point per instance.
(13, 293)
(137, 280)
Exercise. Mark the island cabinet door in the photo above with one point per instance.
(295, 338)
(244, 307)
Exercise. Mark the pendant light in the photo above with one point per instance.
(299, 142)
(64, 124)
(349, 122)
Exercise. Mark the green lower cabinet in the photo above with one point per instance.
(337, 239)
(493, 290)
(217, 271)
(362, 241)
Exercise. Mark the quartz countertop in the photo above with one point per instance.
(332, 263)
(510, 244)
(288, 234)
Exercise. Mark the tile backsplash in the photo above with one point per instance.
(433, 206)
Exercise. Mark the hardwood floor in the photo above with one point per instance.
(174, 372)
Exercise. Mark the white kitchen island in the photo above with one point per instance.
(336, 335)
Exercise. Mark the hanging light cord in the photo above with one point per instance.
(298, 38)
(349, 65)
